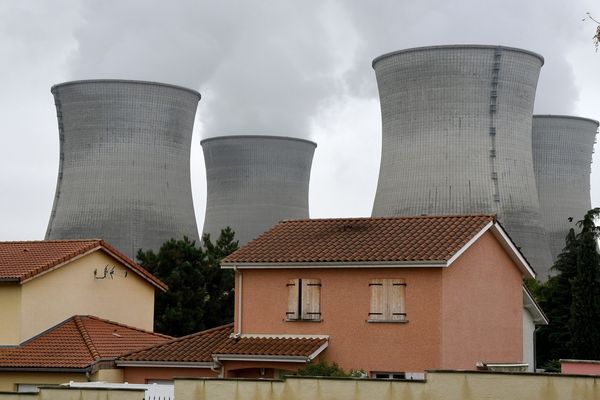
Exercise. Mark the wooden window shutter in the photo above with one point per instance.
(396, 300)
(311, 299)
(293, 294)
(377, 310)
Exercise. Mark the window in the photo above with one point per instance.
(29, 387)
(388, 375)
(304, 300)
(387, 300)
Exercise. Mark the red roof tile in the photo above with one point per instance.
(197, 347)
(402, 239)
(271, 346)
(20, 261)
(77, 343)
(201, 346)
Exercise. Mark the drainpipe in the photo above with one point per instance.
(239, 322)
(535, 330)
(217, 364)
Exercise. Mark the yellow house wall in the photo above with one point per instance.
(10, 311)
(108, 375)
(9, 380)
(18, 396)
(72, 289)
(438, 386)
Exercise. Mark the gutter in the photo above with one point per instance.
(159, 364)
(262, 358)
(315, 264)
(41, 369)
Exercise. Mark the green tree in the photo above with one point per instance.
(552, 341)
(200, 294)
(571, 299)
(585, 288)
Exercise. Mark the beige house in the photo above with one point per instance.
(42, 283)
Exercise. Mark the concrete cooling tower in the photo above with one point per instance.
(124, 172)
(253, 182)
(562, 154)
(456, 124)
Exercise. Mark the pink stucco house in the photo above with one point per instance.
(391, 296)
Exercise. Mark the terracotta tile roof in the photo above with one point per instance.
(271, 346)
(21, 261)
(201, 346)
(77, 343)
(425, 238)
(197, 347)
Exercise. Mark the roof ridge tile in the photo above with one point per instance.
(86, 337)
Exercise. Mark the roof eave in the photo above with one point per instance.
(529, 303)
(168, 364)
(82, 370)
(514, 253)
(10, 280)
(337, 264)
(261, 358)
(128, 262)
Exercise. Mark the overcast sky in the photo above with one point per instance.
(291, 68)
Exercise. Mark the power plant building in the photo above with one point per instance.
(456, 124)
(253, 182)
(562, 154)
(124, 172)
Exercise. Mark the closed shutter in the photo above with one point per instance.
(311, 299)
(293, 293)
(396, 291)
(377, 309)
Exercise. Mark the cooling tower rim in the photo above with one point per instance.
(129, 81)
(455, 46)
(557, 116)
(216, 138)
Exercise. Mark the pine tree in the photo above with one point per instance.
(554, 297)
(200, 294)
(585, 288)
(571, 299)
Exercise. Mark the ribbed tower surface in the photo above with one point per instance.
(562, 157)
(253, 182)
(456, 126)
(124, 172)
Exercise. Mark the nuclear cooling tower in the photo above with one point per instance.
(456, 126)
(562, 154)
(253, 182)
(124, 172)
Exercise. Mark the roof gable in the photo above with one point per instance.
(77, 343)
(25, 260)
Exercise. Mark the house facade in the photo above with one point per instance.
(45, 282)
(393, 296)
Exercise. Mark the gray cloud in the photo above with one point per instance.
(270, 67)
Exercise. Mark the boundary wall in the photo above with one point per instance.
(442, 385)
